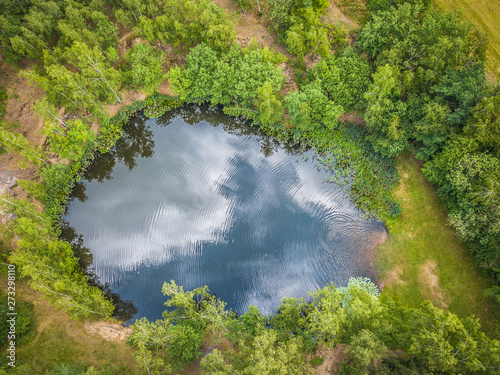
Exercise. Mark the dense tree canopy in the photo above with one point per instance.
(278, 344)
(240, 78)
(429, 93)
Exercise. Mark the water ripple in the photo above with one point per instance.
(209, 208)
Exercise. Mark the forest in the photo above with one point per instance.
(416, 77)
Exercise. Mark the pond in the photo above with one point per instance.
(202, 198)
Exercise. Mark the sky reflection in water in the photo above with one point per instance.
(207, 207)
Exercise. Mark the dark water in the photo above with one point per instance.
(201, 199)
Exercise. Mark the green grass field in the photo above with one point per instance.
(60, 340)
(423, 258)
(486, 15)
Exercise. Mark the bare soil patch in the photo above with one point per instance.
(127, 98)
(109, 331)
(334, 15)
(22, 96)
(332, 359)
(125, 42)
(392, 277)
(353, 118)
(430, 281)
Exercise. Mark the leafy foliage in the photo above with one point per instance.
(432, 339)
(144, 67)
(50, 264)
(299, 26)
(186, 22)
(344, 77)
(429, 92)
(469, 179)
(414, 51)
(3, 101)
(310, 108)
(157, 104)
(17, 143)
(74, 142)
(238, 79)
(383, 5)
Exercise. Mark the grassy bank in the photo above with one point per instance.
(486, 15)
(423, 258)
(61, 340)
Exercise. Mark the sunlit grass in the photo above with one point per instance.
(486, 15)
(62, 340)
(420, 239)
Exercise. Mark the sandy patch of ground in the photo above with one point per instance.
(249, 25)
(22, 96)
(332, 359)
(430, 281)
(393, 277)
(127, 98)
(353, 118)
(165, 89)
(125, 42)
(109, 331)
(334, 15)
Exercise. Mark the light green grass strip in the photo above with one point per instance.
(423, 258)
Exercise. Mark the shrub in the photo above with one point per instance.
(144, 67)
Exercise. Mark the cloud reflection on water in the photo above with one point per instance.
(210, 208)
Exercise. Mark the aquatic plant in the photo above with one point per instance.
(157, 104)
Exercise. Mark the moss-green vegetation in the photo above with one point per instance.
(353, 315)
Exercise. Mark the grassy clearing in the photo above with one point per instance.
(354, 10)
(486, 15)
(423, 258)
(62, 340)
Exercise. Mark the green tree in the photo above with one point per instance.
(484, 124)
(37, 28)
(90, 26)
(310, 108)
(188, 23)
(18, 144)
(385, 111)
(144, 67)
(268, 104)
(461, 90)
(344, 78)
(74, 142)
(366, 348)
(95, 70)
(327, 320)
(214, 364)
(267, 356)
(239, 79)
(468, 181)
(446, 343)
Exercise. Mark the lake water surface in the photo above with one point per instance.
(204, 199)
